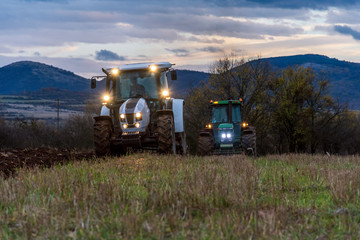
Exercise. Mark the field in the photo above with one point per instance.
(149, 196)
(14, 107)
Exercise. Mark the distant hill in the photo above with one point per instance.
(28, 76)
(33, 77)
(344, 76)
(186, 80)
(41, 80)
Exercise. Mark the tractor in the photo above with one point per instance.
(227, 133)
(138, 112)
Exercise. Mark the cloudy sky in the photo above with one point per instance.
(84, 35)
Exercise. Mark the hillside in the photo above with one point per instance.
(31, 77)
(26, 76)
(344, 76)
(35, 79)
(186, 80)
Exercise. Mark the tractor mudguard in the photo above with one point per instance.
(205, 132)
(165, 112)
(103, 118)
(178, 110)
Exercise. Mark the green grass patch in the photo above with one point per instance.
(146, 196)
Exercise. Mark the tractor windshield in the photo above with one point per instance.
(220, 114)
(134, 84)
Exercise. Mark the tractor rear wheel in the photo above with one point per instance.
(102, 134)
(166, 134)
(205, 144)
(248, 141)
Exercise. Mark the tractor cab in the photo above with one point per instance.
(142, 80)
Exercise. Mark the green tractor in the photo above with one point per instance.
(227, 133)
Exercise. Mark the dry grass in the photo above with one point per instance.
(146, 196)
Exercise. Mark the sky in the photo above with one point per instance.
(83, 36)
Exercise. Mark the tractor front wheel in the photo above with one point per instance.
(166, 134)
(205, 144)
(102, 134)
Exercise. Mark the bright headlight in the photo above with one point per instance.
(165, 93)
(138, 115)
(122, 116)
(106, 97)
(223, 135)
(153, 68)
(228, 135)
(137, 125)
(115, 71)
(125, 126)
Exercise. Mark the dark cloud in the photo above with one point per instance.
(211, 25)
(52, 1)
(343, 16)
(106, 55)
(346, 30)
(210, 49)
(179, 52)
(310, 4)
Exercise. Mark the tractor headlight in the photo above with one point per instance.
(125, 126)
(228, 135)
(223, 135)
(165, 93)
(115, 71)
(153, 68)
(137, 125)
(138, 116)
(209, 126)
(244, 124)
(122, 117)
(106, 97)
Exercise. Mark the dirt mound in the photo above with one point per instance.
(12, 159)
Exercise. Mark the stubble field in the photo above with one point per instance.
(150, 196)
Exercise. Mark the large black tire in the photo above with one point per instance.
(102, 134)
(205, 144)
(248, 141)
(166, 134)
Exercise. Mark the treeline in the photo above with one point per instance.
(292, 109)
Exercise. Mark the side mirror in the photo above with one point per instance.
(93, 83)
(173, 75)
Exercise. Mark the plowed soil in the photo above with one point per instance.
(12, 159)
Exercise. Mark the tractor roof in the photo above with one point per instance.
(224, 102)
(139, 66)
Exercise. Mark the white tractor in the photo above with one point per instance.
(138, 111)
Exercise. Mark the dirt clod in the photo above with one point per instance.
(12, 159)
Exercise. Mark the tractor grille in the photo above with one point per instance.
(130, 118)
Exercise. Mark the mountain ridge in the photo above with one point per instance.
(32, 76)
(27, 76)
